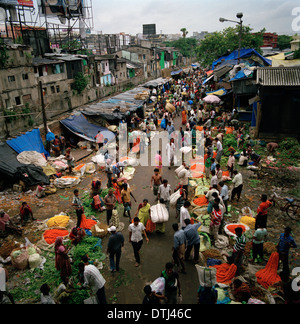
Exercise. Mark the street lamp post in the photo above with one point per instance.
(239, 16)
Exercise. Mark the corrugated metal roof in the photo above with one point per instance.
(279, 76)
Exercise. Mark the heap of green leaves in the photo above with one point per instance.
(289, 150)
(230, 139)
(29, 293)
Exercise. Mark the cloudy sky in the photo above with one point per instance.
(170, 16)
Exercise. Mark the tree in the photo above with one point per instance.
(222, 43)
(81, 82)
(184, 32)
(183, 45)
(284, 42)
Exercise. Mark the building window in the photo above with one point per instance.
(25, 76)
(11, 78)
(18, 101)
(57, 89)
(44, 91)
(26, 98)
(7, 103)
(52, 89)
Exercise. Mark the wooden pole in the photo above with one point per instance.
(258, 120)
(43, 108)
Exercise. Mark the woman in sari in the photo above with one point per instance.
(76, 235)
(117, 191)
(184, 117)
(62, 261)
(143, 212)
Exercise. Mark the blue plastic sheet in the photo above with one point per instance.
(31, 141)
(80, 126)
(244, 53)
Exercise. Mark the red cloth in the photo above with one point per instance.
(263, 207)
(87, 223)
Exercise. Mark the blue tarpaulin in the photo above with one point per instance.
(31, 141)
(244, 54)
(176, 72)
(220, 93)
(80, 126)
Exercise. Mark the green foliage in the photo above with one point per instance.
(218, 44)
(184, 32)
(129, 86)
(81, 82)
(11, 115)
(184, 45)
(284, 42)
(297, 54)
(230, 139)
(254, 183)
(289, 150)
(30, 291)
(3, 54)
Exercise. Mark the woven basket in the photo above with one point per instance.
(101, 226)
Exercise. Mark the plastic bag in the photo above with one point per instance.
(34, 260)
(207, 276)
(179, 169)
(159, 214)
(19, 259)
(159, 285)
(174, 197)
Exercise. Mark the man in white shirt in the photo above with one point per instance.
(224, 194)
(237, 185)
(171, 152)
(184, 181)
(219, 151)
(184, 214)
(211, 198)
(94, 279)
(214, 180)
(164, 192)
(136, 231)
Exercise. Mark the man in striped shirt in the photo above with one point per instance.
(238, 249)
(94, 279)
(216, 219)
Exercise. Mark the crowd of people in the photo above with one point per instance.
(186, 98)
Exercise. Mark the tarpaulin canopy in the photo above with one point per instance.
(12, 171)
(250, 54)
(208, 79)
(176, 72)
(81, 127)
(31, 141)
(155, 83)
(219, 93)
(118, 107)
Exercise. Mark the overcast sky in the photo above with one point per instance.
(170, 16)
